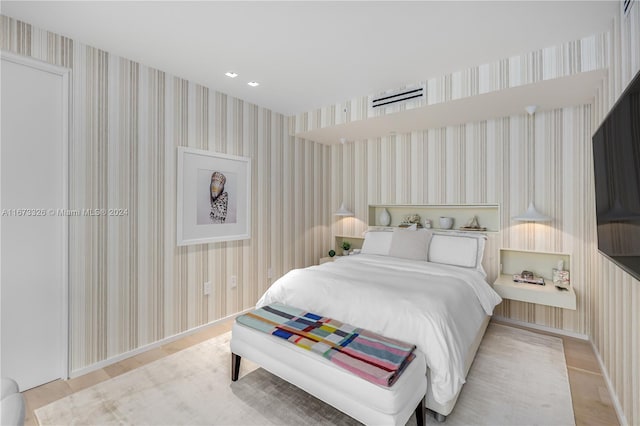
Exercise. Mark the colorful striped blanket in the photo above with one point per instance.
(373, 357)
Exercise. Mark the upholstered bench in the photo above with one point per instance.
(364, 401)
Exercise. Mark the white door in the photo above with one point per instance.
(33, 256)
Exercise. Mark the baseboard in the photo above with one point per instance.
(542, 328)
(612, 394)
(101, 364)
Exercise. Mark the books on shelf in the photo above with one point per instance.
(529, 280)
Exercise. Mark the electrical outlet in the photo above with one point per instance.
(233, 282)
(206, 288)
(270, 273)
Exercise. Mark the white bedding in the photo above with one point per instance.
(437, 307)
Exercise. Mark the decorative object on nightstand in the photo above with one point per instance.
(346, 245)
(332, 253)
(446, 222)
(384, 218)
(560, 279)
(427, 223)
(527, 277)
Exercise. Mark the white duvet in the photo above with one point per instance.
(439, 308)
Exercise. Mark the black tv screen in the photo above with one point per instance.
(616, 158)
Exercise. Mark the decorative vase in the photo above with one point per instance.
(446, 222)
(384, 218)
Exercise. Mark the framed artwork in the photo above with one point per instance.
(214, 197)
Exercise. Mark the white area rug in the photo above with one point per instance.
(518, 378)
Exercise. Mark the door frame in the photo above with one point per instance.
(65, 74)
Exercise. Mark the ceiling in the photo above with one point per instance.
(309, 54)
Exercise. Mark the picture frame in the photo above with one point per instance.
(213, 197)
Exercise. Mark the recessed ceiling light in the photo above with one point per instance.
(231, 74)
(253, 83)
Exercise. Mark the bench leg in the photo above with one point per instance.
(235, 366)
(440, 418)
(421, 412)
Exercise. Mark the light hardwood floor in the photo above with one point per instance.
(591, 402)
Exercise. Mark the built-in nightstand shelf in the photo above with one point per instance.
(356, 242)
(541, 294)
(541, 264)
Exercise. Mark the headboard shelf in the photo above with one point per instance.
(488, 214)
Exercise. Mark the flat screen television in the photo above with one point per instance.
(616, 158)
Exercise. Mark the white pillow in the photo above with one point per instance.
(377, 243)
(457, 250)
(410, 244)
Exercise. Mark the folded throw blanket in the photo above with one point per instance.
(373, 357)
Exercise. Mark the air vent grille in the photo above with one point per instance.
(626, 6)
(399, 97)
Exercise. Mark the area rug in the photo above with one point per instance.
(517, 378)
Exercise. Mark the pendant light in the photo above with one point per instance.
(532, 214)
(343, 211)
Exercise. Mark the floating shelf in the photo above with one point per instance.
(541, 264)
(488, 214)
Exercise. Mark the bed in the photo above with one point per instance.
(421, 287)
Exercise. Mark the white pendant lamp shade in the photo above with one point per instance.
(343, 211)
(532, 215)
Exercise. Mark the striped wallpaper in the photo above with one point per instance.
(587, 54)
(130, 284)
(613, 317)
(508, 161)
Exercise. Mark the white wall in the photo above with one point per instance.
(34, 231)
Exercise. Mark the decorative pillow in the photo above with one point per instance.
(457, 250)
(377, 243)
(410, 244)
(482, 239)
